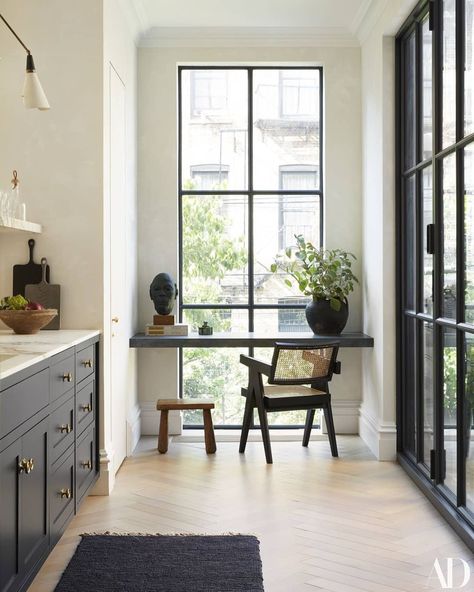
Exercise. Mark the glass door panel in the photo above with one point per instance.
(409, 387)
(427, 177)
(469, 421)
(450, 407)
(449, 73)
(469, 68)
(469, 232)
(428, 402)
(409, 253)
(449, 237)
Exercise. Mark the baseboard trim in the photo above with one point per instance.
(380, 438)
(346, 416)
(106, 481)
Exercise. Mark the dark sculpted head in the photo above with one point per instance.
(163, 292)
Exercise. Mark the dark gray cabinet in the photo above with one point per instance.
(48, 457)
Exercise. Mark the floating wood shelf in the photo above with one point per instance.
(21, 226)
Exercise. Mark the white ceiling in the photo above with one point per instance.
(345, 14)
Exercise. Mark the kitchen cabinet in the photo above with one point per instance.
(45, 468)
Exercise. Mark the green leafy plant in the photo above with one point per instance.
(319, 273)
(13, 303)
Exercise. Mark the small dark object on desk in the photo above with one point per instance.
(205, 329)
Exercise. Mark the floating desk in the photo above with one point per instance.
(140, 340)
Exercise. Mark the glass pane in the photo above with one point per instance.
(449, 73)
(287, 320)
(214, 129)
(215, 373)
(450, 407)
(221, 320)
(277, 218)
(409, 407)
(449, 237)
(469, 70)
(410, 254)
(427, 258)
(469, 429)
(469, 230)
(215, 249)
(286, 127)
(409, 127)
(427, 90)
(428, 418)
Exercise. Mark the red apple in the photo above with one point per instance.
(34, 306)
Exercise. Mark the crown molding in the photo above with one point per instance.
(359, 16)
(134, 22)
(248, 37)
(368, 20)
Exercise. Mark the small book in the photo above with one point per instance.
(170, 330)
(163, 319)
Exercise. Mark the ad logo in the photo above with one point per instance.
(443, 571)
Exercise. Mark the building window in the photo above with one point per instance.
(208, 92)
(209, 176)
(234, 218)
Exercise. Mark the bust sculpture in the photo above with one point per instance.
(163, 292)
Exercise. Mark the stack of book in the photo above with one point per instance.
(167, 330)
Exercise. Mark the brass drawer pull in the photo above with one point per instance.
(65, 428)
(26, 465)
(67, 377)
(87, 363)
(87, 407)
(65, 493)
(86, 464)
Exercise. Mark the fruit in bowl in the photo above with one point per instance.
(23, 316)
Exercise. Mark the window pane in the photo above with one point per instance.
(469, 428)
(286, 125)
(409, 254)
(469, 230)
(215, 373)
(428, 418)
(277, 218)
(449, 72)
(410, 101)
(409, 378)
(427, 89)
(226, 320)
(450, 407)
(214, 129)
(214, 249)
(469, 70)
(449, 237)
(287, 320)
(427, 258)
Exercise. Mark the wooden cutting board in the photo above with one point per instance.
(30, 273)
(49, 295)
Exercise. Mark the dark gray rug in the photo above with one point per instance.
(149, 563)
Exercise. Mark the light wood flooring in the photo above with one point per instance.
(325, 525)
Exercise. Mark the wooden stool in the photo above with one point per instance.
(166, 405)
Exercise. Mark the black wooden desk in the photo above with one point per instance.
(248, 340)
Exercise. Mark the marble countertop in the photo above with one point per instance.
(17, 352)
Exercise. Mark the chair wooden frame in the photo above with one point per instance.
(255, 396)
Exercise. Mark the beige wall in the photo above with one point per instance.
(157, 216)
(58, 153)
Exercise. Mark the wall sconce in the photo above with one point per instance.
(33, 93)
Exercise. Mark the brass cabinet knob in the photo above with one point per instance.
(87, 407)
(65, 428)
(86, 464)
(67, 377)
(87, 363)
(65, 493)
(115, 319)
(26, 465)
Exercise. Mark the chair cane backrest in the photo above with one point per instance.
(303, 364)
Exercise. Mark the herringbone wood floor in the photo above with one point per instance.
(335, 525)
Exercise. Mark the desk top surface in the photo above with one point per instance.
(355, 339)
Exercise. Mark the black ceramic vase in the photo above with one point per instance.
(324, 320)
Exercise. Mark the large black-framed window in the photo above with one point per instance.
(435, 254)
(264, 138)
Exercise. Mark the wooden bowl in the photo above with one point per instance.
(27, 322)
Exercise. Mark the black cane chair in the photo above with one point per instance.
(298, 378)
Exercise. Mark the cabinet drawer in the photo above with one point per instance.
(21, 401)
(85, 363)
(62, 428)
(85, 463)
(61, 496)
(62, 377)
(85, 406)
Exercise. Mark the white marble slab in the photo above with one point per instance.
(18, 352)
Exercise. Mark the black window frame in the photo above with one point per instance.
(250, 192)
